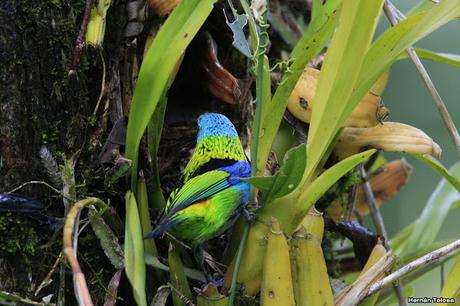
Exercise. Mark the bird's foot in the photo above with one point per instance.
(216, 280)
(248, 215)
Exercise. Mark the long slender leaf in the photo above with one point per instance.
(134, 250)
(144, 216)
(451, 287)
(387, 48)
(438, 167)
(158, 66)
(339, 74)
(434, 214)
(444, 58)
(311, 43)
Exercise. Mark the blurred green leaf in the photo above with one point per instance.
(398, 242)
(438, 167)
(158, 67)
(311, 43)
(444, 58)
(134, 250)
(389, 46)
(433, 215)
(420, 7)
(339, 75)
(286, 179)
(451, 287)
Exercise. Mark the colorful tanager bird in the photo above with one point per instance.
(210, 196)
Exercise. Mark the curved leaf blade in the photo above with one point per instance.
(158, 68)
(434, 214)
(134, 250)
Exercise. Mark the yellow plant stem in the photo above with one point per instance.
(309, 264)
(276, 280)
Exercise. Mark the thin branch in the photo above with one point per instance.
(393, 15)
(380, 227)
(102, 92)
(80, 43)
(415, 264)
(11, 297)
(413, 276)
(374, 211)
(36, 183)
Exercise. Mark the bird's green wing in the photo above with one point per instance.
(197, 189)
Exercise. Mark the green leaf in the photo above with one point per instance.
(158, 68)
(107, 238)
(399, 240)
(434, 214)
(451, 287)
(389, 46)
(422, 6)
(239, 39)
(438, 167)
(177, 277)
(134, 250)
(329, 177)
(311, 43)
(154, 262)
(144, 216)
(339, 75)
(444, 58)
(286, 179)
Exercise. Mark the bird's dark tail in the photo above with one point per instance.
(161, 229)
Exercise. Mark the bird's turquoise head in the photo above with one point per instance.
(213, 124)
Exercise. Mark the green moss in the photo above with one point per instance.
(18, 235)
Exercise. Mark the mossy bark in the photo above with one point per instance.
(41, 105)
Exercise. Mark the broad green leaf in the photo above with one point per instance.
(444, 58)
(422, 6)
(329, 177)
(438, 167)
(158, 67)
(311, 43)
(134, 250)
(286, 179)
(388, 47)
(451, 287)
(292, 208)
(339, 75)
(434, 214)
